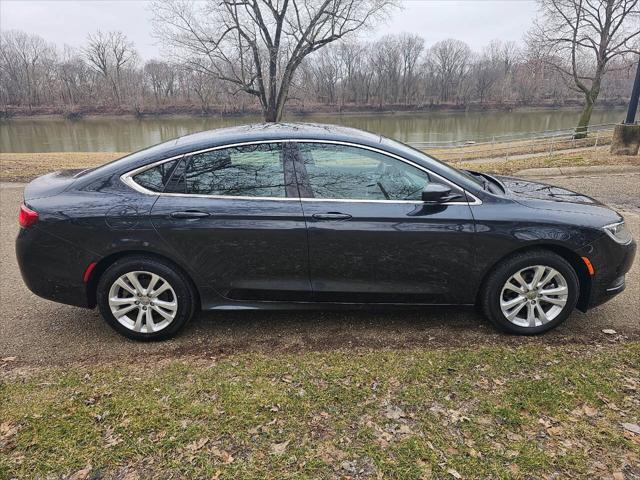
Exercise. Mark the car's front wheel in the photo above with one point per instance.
(530, 292)
(145, 298)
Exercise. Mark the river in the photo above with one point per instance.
(95, 134)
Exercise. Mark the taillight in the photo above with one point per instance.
(27, 217)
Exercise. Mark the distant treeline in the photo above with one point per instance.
(397, 72)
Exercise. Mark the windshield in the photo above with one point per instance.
(454, 172)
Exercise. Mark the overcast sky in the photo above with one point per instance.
(69, 21)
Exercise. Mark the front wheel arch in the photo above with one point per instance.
(584, 279)
(106, 262)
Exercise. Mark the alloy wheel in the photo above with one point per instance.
(534, 296)
(143, 302)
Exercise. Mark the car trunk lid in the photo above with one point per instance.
(51, 184)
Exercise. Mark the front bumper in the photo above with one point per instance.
(51, 267)
(611, 261)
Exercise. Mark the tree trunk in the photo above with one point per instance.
(270, 114)
(585, 118)
(582, 129)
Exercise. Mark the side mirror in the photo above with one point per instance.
(437, 193)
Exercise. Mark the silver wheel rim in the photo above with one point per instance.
(143, 302)
(534, 296)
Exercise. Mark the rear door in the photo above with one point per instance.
(371, 238)
(234, 216)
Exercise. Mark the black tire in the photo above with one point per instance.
(495, 281)
(184, 294)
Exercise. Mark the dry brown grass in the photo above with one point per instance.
(518, 147)
(21, 167)
(570, 159)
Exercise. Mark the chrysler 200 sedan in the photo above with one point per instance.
(312, 216)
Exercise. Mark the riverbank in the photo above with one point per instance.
(82, 112)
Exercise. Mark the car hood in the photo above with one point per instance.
(549, 197)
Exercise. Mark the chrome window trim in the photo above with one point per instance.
(127, 178)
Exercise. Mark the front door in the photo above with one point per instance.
(234, 216)
(371, 238)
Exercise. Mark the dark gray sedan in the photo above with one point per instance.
(312, 216)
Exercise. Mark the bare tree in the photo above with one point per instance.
(358, 75)
(75, 78)
(161, 77)
(484, 76)
(386, 61)
(200, 83)
(259, 44)
(449, 60)
(326, 72)
(27, 63)
(110, 54)
(582, 37)
(411, 47)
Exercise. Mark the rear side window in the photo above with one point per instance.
(156, 178)
(247, 171)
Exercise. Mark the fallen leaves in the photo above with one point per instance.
(453, 472)
(362, 467)
(111, 439)
(393, 413)
(197, 445)
(8, 429)
(82, 474)
(223, 455)
(631, 427)
(279, 448)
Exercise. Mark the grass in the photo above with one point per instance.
(519, 147)
(526, 412)
(574, 159)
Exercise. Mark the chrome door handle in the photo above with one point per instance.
(190, 214)
(331, 216)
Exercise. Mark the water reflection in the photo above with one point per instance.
(130, 134)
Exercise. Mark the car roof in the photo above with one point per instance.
(239, 134)
(275, 131)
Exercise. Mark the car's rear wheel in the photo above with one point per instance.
(145, 298)
(530, 292)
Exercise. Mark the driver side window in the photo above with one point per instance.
(352, 173)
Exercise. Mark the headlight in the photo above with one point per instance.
(618, 232)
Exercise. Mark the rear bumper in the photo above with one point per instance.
(611, 261)
(52, 268)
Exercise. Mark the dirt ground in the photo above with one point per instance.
(39, 332)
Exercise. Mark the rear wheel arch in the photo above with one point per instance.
(104, 263)
(578, 265)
